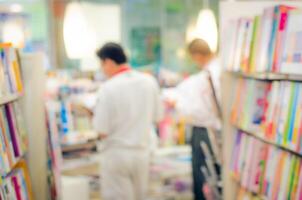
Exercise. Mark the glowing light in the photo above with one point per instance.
(13, 33)
(78, 38)
(206, 28)
(16, 8)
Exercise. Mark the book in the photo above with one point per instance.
(266, 29)
(267, 170)
(254, 44)
(241, 37)
(292, 55)
(280, 37)
(15, 186)
(266, 43)
(10, 71)
(272, 110)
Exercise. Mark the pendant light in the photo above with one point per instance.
(79, 40)
(206, 26)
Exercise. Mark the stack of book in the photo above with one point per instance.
(272, 110)
(14, 181)
(16, 185)
(265, 43)
(10, 74)
(12, 136)
(266, 170)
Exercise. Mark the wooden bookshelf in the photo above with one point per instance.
(9, 98)
(237, 181)
(259, 137)
(230, 10)
(268, 76)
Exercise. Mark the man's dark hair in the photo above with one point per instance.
(112, 51)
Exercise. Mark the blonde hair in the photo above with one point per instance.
(199, 46)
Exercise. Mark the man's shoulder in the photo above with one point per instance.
(127, 77)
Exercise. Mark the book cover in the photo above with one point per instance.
(7, 72)
(4, 160)
(277, 111)
(284, 110)
(280, 37)
(277, 176)
(244, 119)
(292, 55)
(3, 86)
(16, 187)
(292, 178)
(298, 194)
(254, 44)
(9, 63)
(264, 153)
(272, 38)
(241, 36)
(285, 177)
(21, 128)
(238, 101)
(261, 94)
(256, 167)
(295, 119)
(229, 44)
(247, 168)
(247, 46)
(7, 138)
(271, 111)
(291, 114)
(266, 29)
(274, 157)
(13, 131)
(243, 152)
(16, 70)
(235, 154)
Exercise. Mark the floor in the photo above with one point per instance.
(170, 174)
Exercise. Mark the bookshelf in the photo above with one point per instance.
(14, 174)
(233, 76)
(268, 76)
(9, 98)
(33, 108)
(259, 137)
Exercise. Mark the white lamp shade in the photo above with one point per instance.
(206, 28)
(78, 37)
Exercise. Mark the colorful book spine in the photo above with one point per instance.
(10, 72)
(268, 171)
(267, 43)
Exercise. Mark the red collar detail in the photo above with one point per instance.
(123, 68)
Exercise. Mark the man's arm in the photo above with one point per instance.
(101, 116)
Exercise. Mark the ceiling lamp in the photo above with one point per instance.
(206, 27)
(79, 40)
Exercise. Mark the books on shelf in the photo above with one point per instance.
(16, 185)
(292, 57)
(10, 73)
(266, 43)
(12, 136)
(266, 170)
(272, 110)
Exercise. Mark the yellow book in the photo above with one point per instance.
(296, 180)
(22, 165)
(17, 73)
(182, 131)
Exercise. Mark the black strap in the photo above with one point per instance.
(217, 105)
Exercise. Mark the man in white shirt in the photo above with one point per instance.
(128, 106)
(197, 98)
